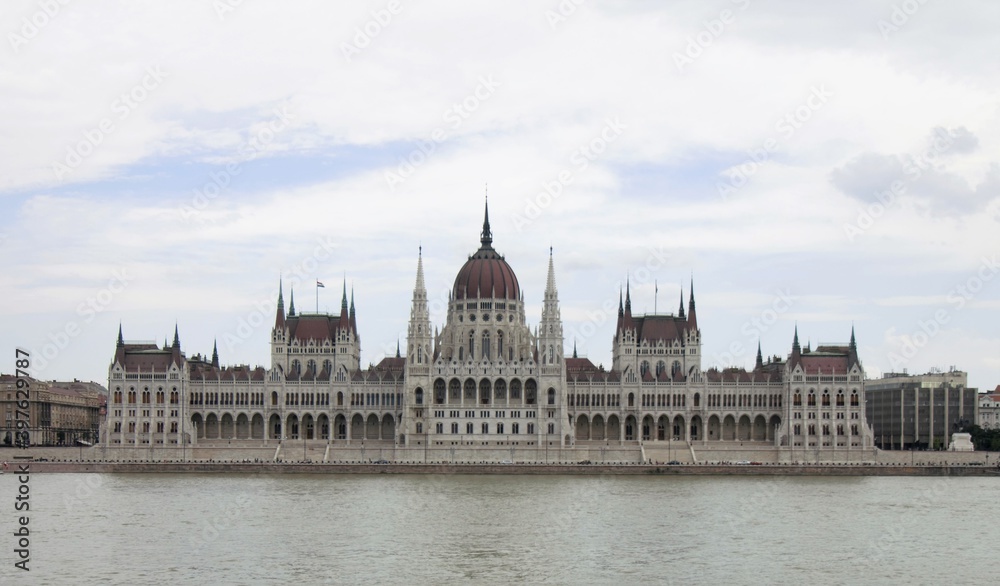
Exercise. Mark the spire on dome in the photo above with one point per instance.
(486, 238)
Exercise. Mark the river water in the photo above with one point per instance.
(454, 529)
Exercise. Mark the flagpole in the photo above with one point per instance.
(317, 295)
(656, 291)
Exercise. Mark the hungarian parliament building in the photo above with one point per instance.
(486, 379)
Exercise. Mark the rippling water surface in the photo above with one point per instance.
(384, 529)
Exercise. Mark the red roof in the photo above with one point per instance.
(486, 275)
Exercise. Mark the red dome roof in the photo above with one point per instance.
(486, 275)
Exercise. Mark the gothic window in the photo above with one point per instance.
(840, 398)
(454, 391)
(826, 398)
(484, 392)
(812, 398)
(515, 390)
(419, 396)
(643, 368)
(472, 345)
(439, 391)
(486, 346)
(500, 345)
(797, 399)
(420, 354)
(660, 367)
(854, 399)
(530, 392)
(552, 396)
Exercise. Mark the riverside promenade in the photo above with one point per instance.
(713, 469)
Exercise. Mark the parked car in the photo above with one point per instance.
(743, 463)
(673, 463)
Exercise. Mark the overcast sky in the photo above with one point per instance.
(820, 163)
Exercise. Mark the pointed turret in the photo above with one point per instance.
(121, 340)
(215, 354)
(760, 358)
(353, 320)
(551, 338)
(419, 339)
(628, 297)
(177, 338)
(680, 310)
(574, 349)
(397, 349)
(852, 350)
(692, 317)
(291, 303)
(279, 313)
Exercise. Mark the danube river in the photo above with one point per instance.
(453, 529)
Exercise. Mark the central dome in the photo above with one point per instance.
(486, 275)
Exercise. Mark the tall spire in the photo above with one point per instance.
(574, 349)
(621, 306)
(628, 296)
(279, 313)
(854, 344)
(215, 354)
(121, 340)
(343, 299)
(419, 287)
(692, 316)
(354, 323)
(550, 282)
(397, 349)
(760, 358)
(680, 310)
(795, 342)
(486, 238)
(291, 302)
(177, 338)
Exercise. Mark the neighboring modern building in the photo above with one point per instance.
(989, 409)
(487, 378)
(920, 411)
(59, 413)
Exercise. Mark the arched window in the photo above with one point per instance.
(439, 391)
(515, 390)
(500, 345)
(660, 367)
(311, 366)
(552, 396)
(420, 354)
(472, 345)
(484, 392)
(530, 392)
(812, 398)
(552, 354)
(826, 398)
(328, 366)
(461, 354)
(797, 399)
(296, 367)
(486, 345)
(419, 396)
(840, 398)
(643, 368)
(854, 398)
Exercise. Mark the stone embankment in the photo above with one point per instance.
(270, 467)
